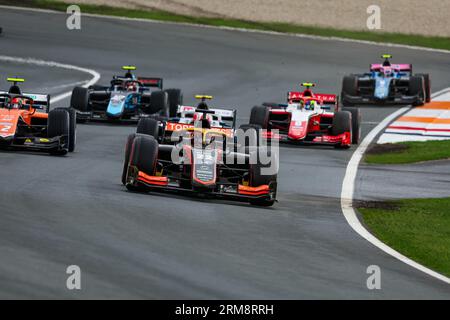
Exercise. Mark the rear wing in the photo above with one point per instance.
(405, 67)
(151, 82)
(40, 101)
(294, 96)
(225, 114)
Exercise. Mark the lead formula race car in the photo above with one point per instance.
(205, 162)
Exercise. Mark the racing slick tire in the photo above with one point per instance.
(260, 116)
(149, 127)
(342, 122)
(175, 100)
(159, 103)
(59, 125)
(426, 78)
(72, 127)
(80, 99)
(257, 178)
(417, 87)
(349, 87)
(356, 124)
(143, 156)
(127, 156)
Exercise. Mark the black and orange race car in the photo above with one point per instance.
(206, 161)
(26, 122)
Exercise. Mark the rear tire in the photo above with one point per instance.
(356, 124)
(149, 127)
(80, 99)
(260, 116)
(159, 103)
(349, 87)
(175, 100)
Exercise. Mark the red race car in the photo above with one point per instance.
(309, 118)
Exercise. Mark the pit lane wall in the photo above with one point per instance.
(429, 18)
(428, 122)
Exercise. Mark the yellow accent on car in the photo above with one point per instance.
(129, 68)
(308, 84)
(15, 80)
(202, 96)
(44, 140)
(386, 56)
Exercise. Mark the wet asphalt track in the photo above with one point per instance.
(57, 212)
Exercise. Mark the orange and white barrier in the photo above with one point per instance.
(428, 122)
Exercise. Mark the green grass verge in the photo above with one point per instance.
(408, 152)
(417, 40)
(417, 228)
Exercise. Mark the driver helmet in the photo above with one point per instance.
(386, 71)
(310, 104)
(131, 86)
(16, 103)
(202, 122)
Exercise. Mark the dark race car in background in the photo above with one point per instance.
(308, 118)
(26, 122)
(126, 98)
(386, 83)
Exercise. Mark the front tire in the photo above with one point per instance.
(143, 156)
(356, 124)
(417, 87)
(427, 81)
(257, 178)
(72, 127)
(59, 125)
(159, 103)
(127, 157)
(342, 123)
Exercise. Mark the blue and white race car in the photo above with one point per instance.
(127, 98)
(386, 83)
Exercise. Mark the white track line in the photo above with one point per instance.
(348, 189)
(298, 35)
(52, 64)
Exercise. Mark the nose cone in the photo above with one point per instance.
(298, 130)
(116, 106)
(382, 88)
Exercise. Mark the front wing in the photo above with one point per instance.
(228, 191)
(319, 139)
